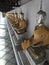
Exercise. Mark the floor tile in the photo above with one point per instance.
(1, 47)
(2, 54)
(2, 62)
(6, 51)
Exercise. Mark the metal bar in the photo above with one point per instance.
(14, 49)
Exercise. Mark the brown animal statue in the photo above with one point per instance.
(40, 37)
(13, 20)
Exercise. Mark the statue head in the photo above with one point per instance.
(41, 15)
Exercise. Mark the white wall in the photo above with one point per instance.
(30, 11)
(0, 16)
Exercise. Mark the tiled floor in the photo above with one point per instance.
(6, 52)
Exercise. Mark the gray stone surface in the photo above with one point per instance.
(6, 51)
